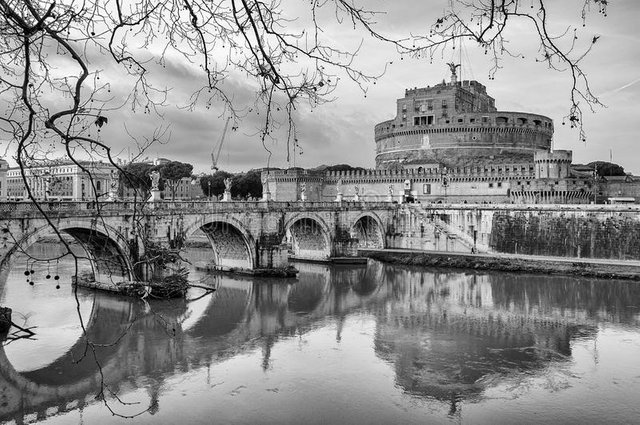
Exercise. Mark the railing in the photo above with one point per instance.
(17, 209)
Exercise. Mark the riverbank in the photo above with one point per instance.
(589, 267)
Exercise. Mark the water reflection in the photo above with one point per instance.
(446, 335)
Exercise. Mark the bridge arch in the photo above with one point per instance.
(309, 236)
(369, 230)
(232, 244)
(106, 248)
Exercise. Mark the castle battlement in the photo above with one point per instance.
(498, 172)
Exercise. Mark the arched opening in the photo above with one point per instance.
(308, 240)
(106, 255)
(101, 252)
(231, 246)
(368, 232)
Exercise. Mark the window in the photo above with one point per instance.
(460, 119)
(499, 184)
(426, 189)
(444, 103)
(423, 120)
(472, 120)
(490, 185)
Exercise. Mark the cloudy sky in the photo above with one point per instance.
(342, 131)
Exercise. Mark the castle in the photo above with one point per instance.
(449, 143)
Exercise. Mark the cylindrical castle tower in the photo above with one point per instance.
(456, 124)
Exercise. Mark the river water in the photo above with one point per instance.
(374, 344)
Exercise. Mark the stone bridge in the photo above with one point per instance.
(243, 235)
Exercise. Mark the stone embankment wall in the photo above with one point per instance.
(567, 235)
(579, 231)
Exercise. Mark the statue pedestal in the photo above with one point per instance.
(303, 197)
(389, 198)
(155, 196)
(226, 196)
(356, 198)
(339, 197)
(266, 196)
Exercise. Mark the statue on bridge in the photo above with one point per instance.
(155, 180)
(264, 179)
(356, 197)
(339, 190)
(155, 186)
(226, 197)
(113, 187)
(303, 191)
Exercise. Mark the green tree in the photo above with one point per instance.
(172, 172)
(247, 185)
(604, 168)
(213, 184)
(136, 176)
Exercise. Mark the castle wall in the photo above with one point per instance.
(620, 190)
(510, 183)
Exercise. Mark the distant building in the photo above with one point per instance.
(61, 180)
(4, 167)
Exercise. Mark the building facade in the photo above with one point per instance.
(59, 181)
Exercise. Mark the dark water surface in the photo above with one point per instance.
(375, 344)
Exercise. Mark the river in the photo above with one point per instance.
(374, 344)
